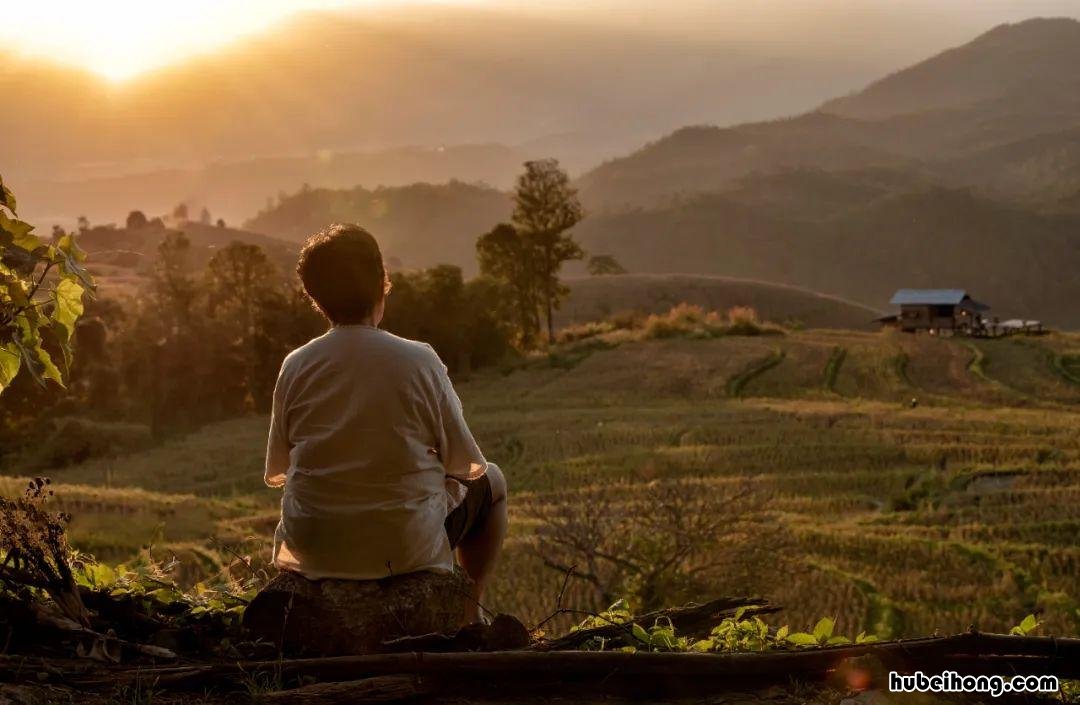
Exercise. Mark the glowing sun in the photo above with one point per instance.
(119, 39)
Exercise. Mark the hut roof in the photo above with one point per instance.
(931, 297)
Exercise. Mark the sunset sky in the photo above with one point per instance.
(119, 39)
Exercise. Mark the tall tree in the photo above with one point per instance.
(136, 220)
(504, 255)
(546, 206)
(240, 280)
(172, 285)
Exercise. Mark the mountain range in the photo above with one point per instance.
(961, 171)
(363, 89)
(1000, 113)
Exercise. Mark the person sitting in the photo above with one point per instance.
(380, 473)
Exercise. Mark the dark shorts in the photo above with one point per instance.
(473, 511)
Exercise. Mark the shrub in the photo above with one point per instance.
(686, 320)
(76, 440)
(582, 331)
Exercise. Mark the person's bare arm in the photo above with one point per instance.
(277, 445)
(460, 455)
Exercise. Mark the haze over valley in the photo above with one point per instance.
(959, 167)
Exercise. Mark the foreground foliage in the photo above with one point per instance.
(738, 633)
(41, 298)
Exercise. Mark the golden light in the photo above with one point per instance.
(119, 39)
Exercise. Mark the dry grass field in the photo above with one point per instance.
(595, 298)
(901, 484)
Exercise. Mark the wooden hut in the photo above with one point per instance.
(938, 311)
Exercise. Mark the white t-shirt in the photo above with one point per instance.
(365, 434)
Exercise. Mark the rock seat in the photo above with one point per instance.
(337, 617)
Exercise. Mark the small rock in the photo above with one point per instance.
(505, 633)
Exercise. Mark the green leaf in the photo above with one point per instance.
(639, 633)
(1026, 626)
(7, 198)
(69, 304)
(782, 632)
(824, 629)
(837, 640)
(10, 362)
(802, 639)
(70, 257)
(703, 645)
(21, 233)
(49, 370)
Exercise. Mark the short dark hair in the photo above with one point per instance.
(343, 273)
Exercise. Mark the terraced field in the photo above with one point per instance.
(901, 484)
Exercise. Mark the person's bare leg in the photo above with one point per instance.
(479, 550)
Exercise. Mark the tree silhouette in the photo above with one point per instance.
(545, 208)
(238, 277)
(172, 284)
(600, 265)
(504, 254)
(136, 220)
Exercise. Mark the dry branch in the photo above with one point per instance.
(99, 645)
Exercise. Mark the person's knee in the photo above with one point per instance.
(497, 480)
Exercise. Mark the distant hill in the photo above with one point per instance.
(120, 258)
(963, 170)
(1038, 56)
(417, 226)
(958, 117)
(862, 245)
(595, 298)
(234, 190)
(370, 81)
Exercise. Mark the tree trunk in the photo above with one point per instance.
(549, 293)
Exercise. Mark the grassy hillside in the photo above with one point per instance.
(595, 298)
(862, 242)
(901, 519)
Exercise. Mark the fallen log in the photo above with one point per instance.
(529, 669)
(692, 620)
(380, 689)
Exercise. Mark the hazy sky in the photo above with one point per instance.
(122, 38)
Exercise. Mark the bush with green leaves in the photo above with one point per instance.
(42, 285)
(737, 633)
